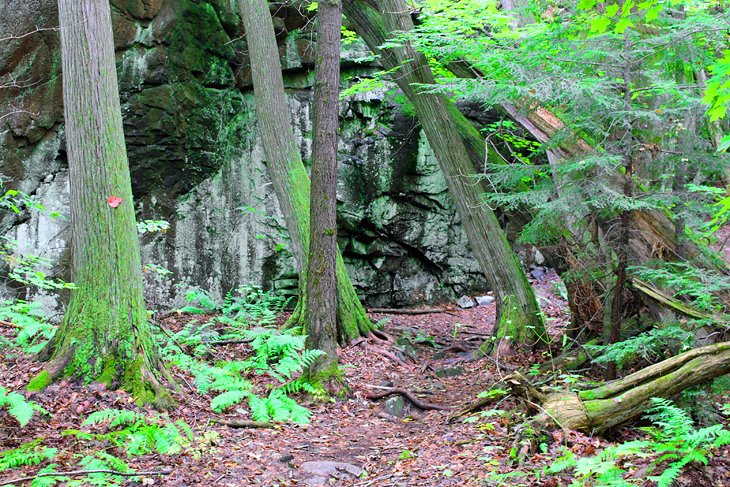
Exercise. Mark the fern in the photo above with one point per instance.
(33, 329)
(136, 434)
(675, 443)
(17, 406)
(31, 453)
(648, 346)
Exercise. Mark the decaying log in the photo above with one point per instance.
(597, 410)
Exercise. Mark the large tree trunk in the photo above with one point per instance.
(284, 162)
(459, 149)
(616, 402)
(104, 334)
(321, 315)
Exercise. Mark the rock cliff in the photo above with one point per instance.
(196, 160)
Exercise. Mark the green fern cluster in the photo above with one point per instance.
(135, 434)
(698, 286)
(33, 329)
(251, 304)
(31, 453)
(674, 443)
(17, 406)
(649, 346)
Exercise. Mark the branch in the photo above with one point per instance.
(75, 473)
(21, 36)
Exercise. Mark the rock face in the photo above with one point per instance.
(197, 162)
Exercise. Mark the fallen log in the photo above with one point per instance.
(616, 402)
(405, 311)
(243, 423)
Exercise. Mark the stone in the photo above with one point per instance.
(395, 406)
(196, 159)
(327, 468)
(466, 302)
(449, 371)
(485, 300)
(538, 272)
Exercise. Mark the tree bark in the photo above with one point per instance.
(597, 410)
(459, 149)
(104, 334)
(284, 162)
(321, 310)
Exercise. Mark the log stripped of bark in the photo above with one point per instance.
(374, 396)
(243, 423)
(404, 311)
(617, 402)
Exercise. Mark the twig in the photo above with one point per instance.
(75, 473)
(243, 423)
(408, 395)
(229, 342)
(10, 325)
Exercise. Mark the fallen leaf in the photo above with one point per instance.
(114, 201)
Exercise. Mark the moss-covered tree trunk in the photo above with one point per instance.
(617, 402)
(459, 149)
(284, 162)
(321, 315)
(104, 334)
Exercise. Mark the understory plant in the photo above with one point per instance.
(247, 317)
(673, 443)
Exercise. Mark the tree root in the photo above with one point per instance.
(374, 396)
(382, 352)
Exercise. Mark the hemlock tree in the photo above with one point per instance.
(321, 308)
(284, 162)
(104, 334)
(459, 149)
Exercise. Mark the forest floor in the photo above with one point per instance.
(354, 441)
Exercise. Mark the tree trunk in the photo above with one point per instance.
(321, 310)
(459, 149)
(597, 410)
(104, 334)
(284, 162)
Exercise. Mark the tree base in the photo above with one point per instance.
(135, 377)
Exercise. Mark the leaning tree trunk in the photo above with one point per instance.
(616, 402)
(459, 149)
(321, 310)
(284, 162)
(104, 334)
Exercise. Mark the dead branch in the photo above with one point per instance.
(374, 396)
(76, 473)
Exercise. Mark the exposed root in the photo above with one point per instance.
(384, 353)
(374, 396)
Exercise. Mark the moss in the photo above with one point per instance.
(109, 373)
(330, 378)
(40, 381)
